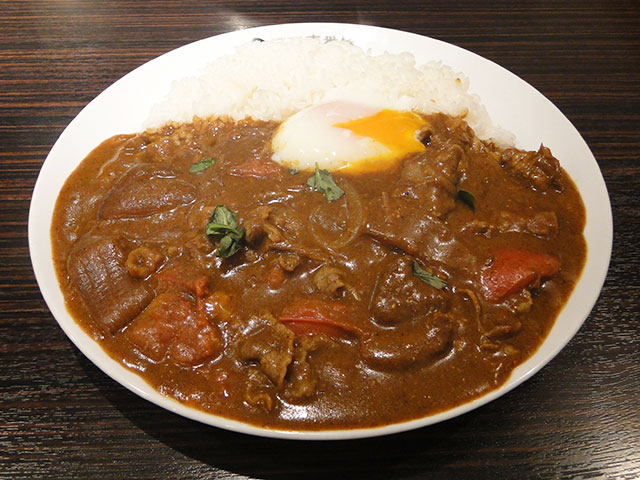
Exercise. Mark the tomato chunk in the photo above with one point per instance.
(170, 327)
(194, 283)
(275, 277)
(514, 269)
(314, 316)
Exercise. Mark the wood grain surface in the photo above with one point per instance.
(60, 417)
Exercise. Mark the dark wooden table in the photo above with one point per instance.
(60, 417)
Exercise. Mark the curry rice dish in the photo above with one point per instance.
(312, 299)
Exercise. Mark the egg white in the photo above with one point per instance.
(309, 137)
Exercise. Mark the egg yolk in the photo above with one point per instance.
(395, 130)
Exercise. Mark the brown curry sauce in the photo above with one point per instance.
(319, 320)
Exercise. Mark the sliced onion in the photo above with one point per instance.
(355, 221)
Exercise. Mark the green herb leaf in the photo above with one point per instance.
(428, 277)
(201, 165)
(294, 171)
(225, 222)
(467, 198)
(222, 221)
(230, 244)
(323, 181)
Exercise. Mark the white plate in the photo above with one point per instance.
(511, 103)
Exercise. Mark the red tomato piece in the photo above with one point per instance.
(314, 316)
(198, 284)
(275, 277)
(171, 327)
(257, 168)
(514, 269)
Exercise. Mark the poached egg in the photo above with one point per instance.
(346, 135)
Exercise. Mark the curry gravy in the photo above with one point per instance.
(419, 289)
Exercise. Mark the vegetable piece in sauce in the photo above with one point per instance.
(307, 317)
(514, 269)
(467, 198)
(201, 165)
(225, 222)
(185, 280)
(428, 277)
(322, 181)
(170, 327)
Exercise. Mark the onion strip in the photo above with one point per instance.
(356, 221)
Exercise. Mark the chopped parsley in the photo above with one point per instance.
(428, 277)
(225, 222)
(322, 181)
(467, 198)
(201, 165)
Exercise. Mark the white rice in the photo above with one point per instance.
(274, 79)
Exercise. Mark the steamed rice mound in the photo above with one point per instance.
(272, 80)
